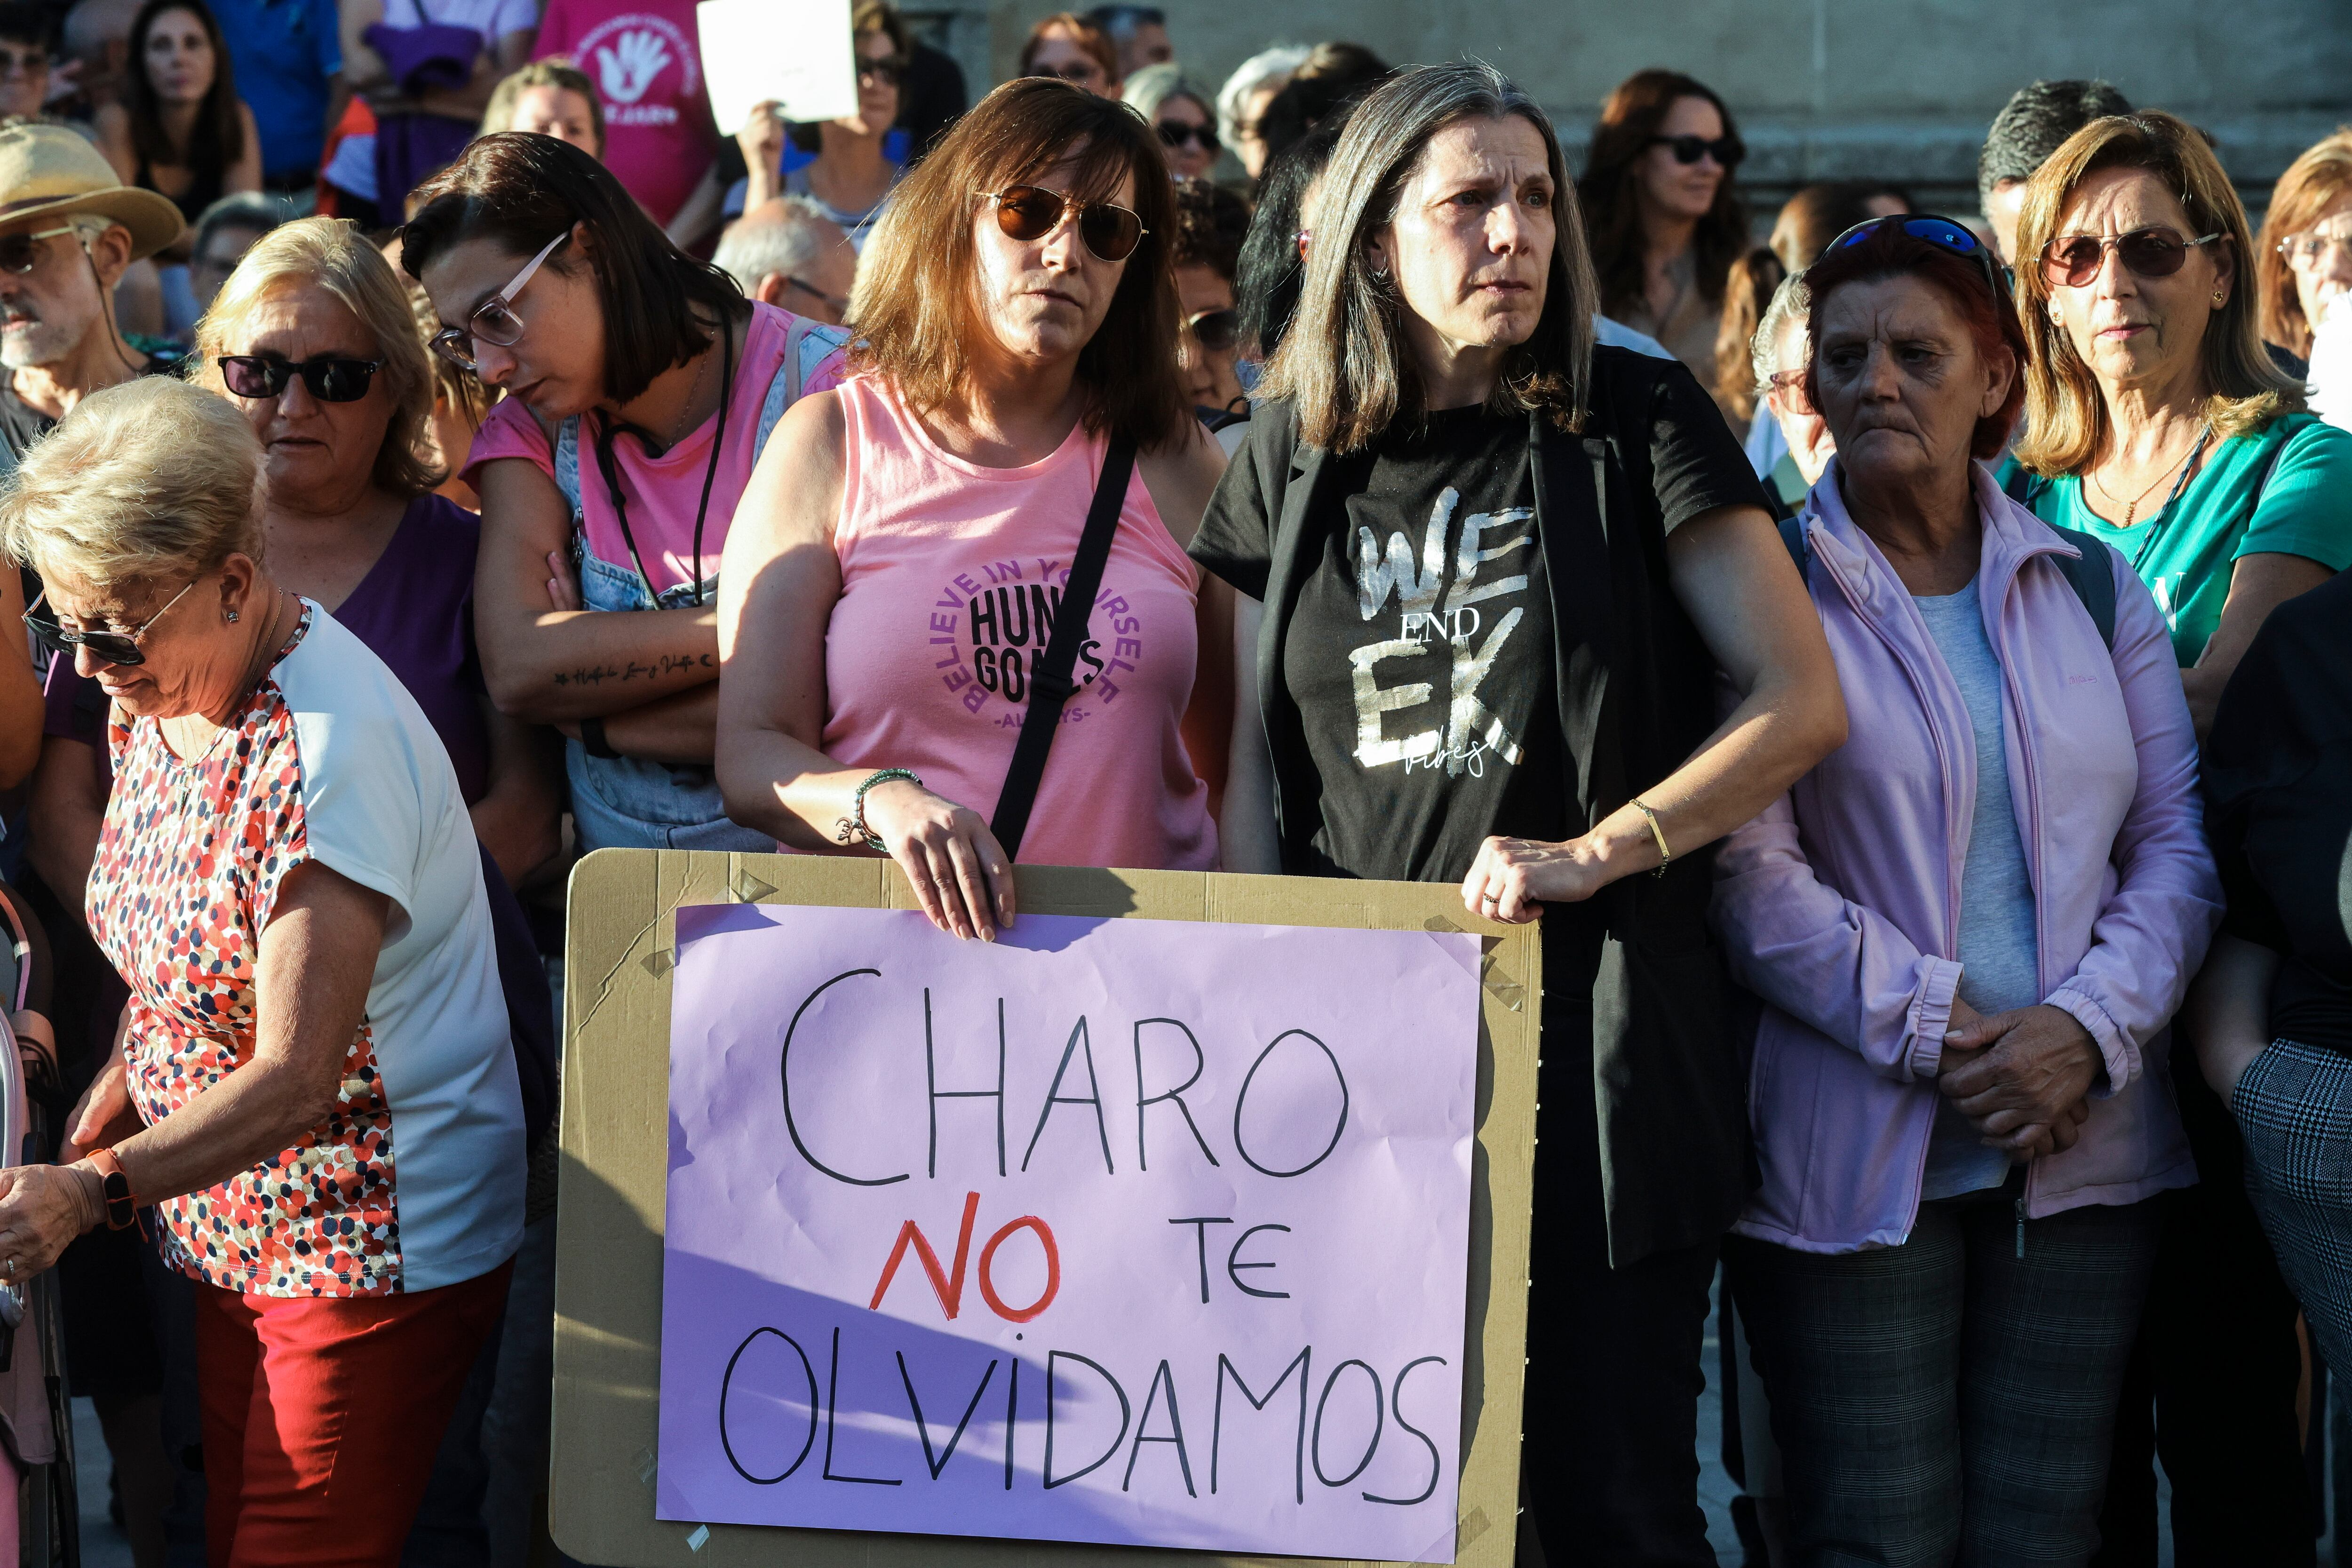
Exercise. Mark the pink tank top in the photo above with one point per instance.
(951, 574)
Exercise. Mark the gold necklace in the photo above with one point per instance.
(2131, 508)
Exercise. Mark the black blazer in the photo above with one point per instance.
(1637, 696)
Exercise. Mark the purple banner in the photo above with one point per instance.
(1140, 1232)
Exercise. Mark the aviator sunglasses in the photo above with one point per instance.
(1943, 232)
(20, 253)
(1726, 150)
(1030, 213)
(2072, 260)
(110, 648)
(332, 378)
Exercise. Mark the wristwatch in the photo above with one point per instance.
(121, 1204)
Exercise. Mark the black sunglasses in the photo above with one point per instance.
(1215, 331)
(110, 648)
(1080, 71)
(2072, 260)
(1175, 134)
(1726, 150)
(330, 378)
(888, 69)
(1030, 213)
(1943, 232)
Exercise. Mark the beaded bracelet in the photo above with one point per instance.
(850, 829)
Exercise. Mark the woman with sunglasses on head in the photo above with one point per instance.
(1969, 927)
(852, 174)
(1182, 113)
(2155, 419)
(1499, 568)
(1665, 219)
(314, 1090)
(908, 550)
(641, 385)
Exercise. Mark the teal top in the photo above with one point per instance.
(2185, 553)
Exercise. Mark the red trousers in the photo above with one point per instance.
(323, 1416)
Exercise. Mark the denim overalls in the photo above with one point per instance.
(622, 803)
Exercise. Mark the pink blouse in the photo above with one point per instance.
(951, 576)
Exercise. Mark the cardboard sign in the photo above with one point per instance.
(797, 54)
(1117, 1231)
(620, 977)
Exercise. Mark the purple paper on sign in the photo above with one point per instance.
(1126, 1231)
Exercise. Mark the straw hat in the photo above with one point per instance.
(51, 171)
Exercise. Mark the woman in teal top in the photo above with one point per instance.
(2158, 423)
(2156, 420)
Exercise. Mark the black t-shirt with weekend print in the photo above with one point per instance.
(1420, 655)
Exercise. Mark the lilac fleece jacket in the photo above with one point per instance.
(1840, 905)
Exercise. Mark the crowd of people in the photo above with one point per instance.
(1894, 658)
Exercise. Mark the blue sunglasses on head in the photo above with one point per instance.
(1943, 232)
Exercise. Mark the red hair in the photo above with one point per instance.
(1983, 304)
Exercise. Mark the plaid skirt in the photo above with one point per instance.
(2293, 1106)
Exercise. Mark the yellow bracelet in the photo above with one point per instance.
(1665, 855)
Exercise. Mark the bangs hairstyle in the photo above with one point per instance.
(1344, 361)
(330, 254)
(916, 307)
(2066, 417)
(2318, 180)
(519, 190)
(142, 483)
(1612, 213)
(1888, 252)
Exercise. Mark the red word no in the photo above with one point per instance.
(948, 1284)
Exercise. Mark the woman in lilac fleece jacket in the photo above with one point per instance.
(1969, 927)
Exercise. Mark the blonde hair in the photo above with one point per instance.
(331, 254)
(499, 114)
(151, 480)
(2066, 418)
(2314, 183)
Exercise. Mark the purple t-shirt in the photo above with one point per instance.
(414, 610)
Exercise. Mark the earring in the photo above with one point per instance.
(2219, 298)
(230, 616)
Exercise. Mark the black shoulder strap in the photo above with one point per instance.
(1049, 683)
(1792, 534)
(2093, 577)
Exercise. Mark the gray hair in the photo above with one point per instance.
(1790, 302)
(1262, 69)
(1345, 362)
(241, 209)
(1152, 85)
(780, 236)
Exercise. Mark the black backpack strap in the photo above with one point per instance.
(2019, 485)
(1049, 683)
(2092, 575)
(1792, 534)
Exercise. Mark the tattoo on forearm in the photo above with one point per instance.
(666, 664)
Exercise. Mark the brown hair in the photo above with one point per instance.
(1816, 214)
(1344, 361)
(1888, 252)
(1082, 33)
(2317, 181)
(1628, 120)
(330, 254)
(499, 115)
(914, 306)
(1748, 293)
(2065, 414)
(518, 191)
(881, 16)
(217, 140)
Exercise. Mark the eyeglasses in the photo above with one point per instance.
(2072, 260)
(1788, 388)
(1215, 331)
(109, 648)
(1082, 72)
(1175, 134)
(2310, 252)
(494, 319)
(887, 69)
(839, 305)
(330, 378)
(1029, 212)
(1943, 232)
(1727, 150)
(20, 253)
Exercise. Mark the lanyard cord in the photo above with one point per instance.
(608, 464)
(2164, 513)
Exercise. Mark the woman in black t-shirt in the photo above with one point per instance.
(2271, 1012)
(1500, 570)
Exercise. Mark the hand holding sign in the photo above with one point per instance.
(794, 54)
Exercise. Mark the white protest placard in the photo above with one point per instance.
(794, 53)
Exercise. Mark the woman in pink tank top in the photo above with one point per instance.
(902, 552)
